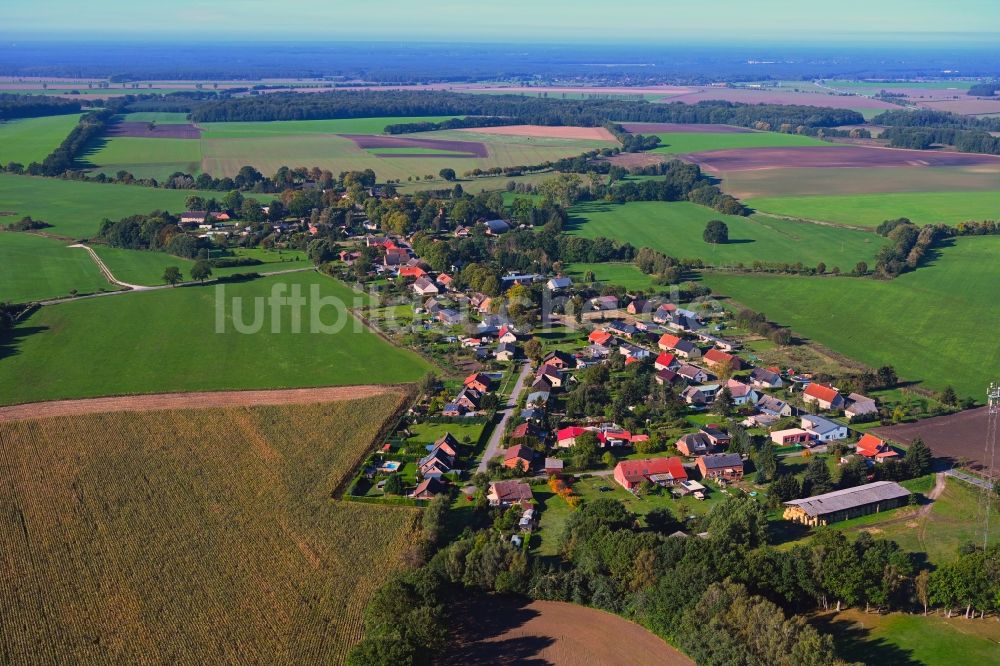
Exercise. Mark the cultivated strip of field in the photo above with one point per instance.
(192, 536)
(927, 323)
(959, 436)
(681, 143)
(548, 132)
(827, 156)
(785, 182)
(27, 140)
(192, 400)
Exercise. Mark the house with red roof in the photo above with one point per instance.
(716, 358)
(664, 361)
(566, 437)
(599, 337)
(411, 272)
(518, 457)
(873, 448)
(826, 397)
(681, 347)
(661, 471)
(477, 381)
(444, 280)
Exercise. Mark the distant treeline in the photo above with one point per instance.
(521, 109)
(984, 89)
(930, 118)
(33, 106)
(62, 159)
(922, 138)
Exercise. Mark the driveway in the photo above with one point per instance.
(493, 446)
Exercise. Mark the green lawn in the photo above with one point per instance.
(169, 340)
(241, 130)
(624, 275)
(428, 433)
(140, 267)
(28, 140)
(676, 228)
(870, 210)
(900, 639)
(694, 142)
(930, 324)
(34, 268)
(144, 157)
(76, 208)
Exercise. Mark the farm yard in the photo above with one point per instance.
(34, 267)
(75, 208)
(910, 322)
(676, 228)
(168, 340)
(28, 140)
(146, 537)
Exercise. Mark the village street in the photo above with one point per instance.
(493, 446)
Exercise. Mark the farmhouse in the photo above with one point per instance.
(826, 397)
(858, 404)
(724, 466)
(848, 503)
(873, 448)
(661, 471)
(791, 436)
(823, 429)
(716, 358)
(694, 444)
(505, 493)
(566, 437)
(424, 286)
(518, 457)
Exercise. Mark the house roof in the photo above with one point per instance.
(849, 498)
(763, 375)
(431, 485)
(519, 452)
(599, 337)
(665, 358)
(635, 471)
(666, 375)
(511, 491)
(819, 424)
(695, 440)
(668, 340)
(554, 463)
(560, 283)
(570, 432)
(869, 445)
(737, 388)
(424, 284)
(822, 392)
(721, 460)
(522, 430)
(477, 377)
(718, 356)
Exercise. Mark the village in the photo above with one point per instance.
(654, 403)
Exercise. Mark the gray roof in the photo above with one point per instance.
(722, 460)
(849, 498)
(820, 424)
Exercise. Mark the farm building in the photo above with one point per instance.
(718, 358)
(826, 397)
(848, 503)
(858, 404)
(725, 466)
(661, 471)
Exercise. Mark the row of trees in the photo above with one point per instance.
(910, 245)
(34, 106)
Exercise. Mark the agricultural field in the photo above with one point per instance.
(170, 340)
(678, 143)
(870, 210)
(904, 322)
(622, 274)
(28, 140)
(192, 536)
(143, 157)
(75, 208)
(676, 229)
(34, 268)
(786, 182)
(146, 268)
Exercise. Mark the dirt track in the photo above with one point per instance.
(202, 400)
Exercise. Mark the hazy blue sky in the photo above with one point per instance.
(507, 20)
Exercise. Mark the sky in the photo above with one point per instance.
(625, 21)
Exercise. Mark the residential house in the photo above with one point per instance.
(452, 409)
(559, 360)
(526, 433)
(858, 405)
(631, 351)
(700, 396)
(553, 376)
(717, 435)
(469, 399)
(507, 493)
(506, 334)
(662, 314)
(444, 280)
(613, 435)
(566, 437)
(622, 329)
(554, 466)
(604, 303)
(667, 376)
(638, 306)
(599, 337)
(721, 466)
(742, 393)
(679, 321)
(719, 343)
(823, 428)
(432, 305)
(505, 351)
(764, 378)
(478, 381)
(424, 286)
(435, 464)
(447, 443)
(716, 358)
(412, 272)
(791, 436)
(662, 471)
(681, 347)
(694, 444)
(693, 373)
(429, 487)
(873, 448)
(449, 317)
(847, 503)
(559, 283)
(528, 520)
(768, 404)
(826, 397)
(538, 399)
(664, 361)
(518, 457)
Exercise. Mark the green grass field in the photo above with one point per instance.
(280, 128)
(34, 268)
(778, 183)
(625, 275)
(694, 142)
(676, 228)
(144, 157)
(167, 340)
(158, 117)
(28, 140)
(929, 323)
(870, 210)
(76, 208)
(146, 268)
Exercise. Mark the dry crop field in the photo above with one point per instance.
(191, 536)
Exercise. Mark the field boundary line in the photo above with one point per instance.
(195, 400)
(822, 223)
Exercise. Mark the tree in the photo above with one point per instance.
(918, 458)
(816, 480)
(716, 232)
(887, 376)
(447, 174)
(663, 520)
(854, 473)
(585, 451)
(922, 586)
(201, 271)
(766, 463)
(948, 396)
(172, 275)
(724, 402)
(393, 485)
(785, 488)
(533, 349)
(609, 460)
(861, 268)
